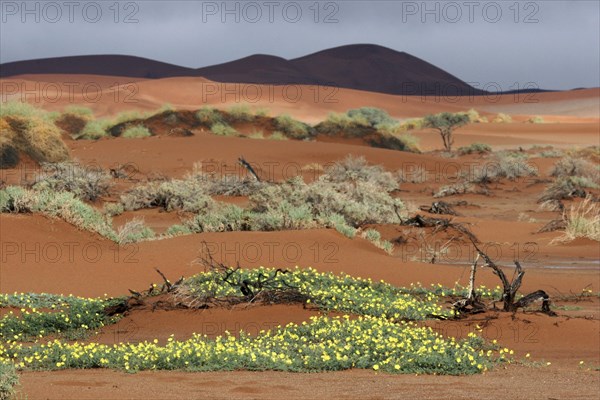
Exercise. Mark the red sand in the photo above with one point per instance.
(43, 255)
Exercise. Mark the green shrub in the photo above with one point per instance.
(95, 129)
(137, 131)
(411, 124)
(178, 230)
(256, 135)
(81, 111)
(134, 231)
(8, 380)
(345, 125)
(240, 113)
(113, 209)
(222, 218)
(86, 183)
(353, 169)
(63, 205)
(222, 129)
(261, 112)
(277, 135)
(502, 119)
(373, 116)
(292, 128)
(35, 135)
(209, 116)
(479, 148)
(179, 194)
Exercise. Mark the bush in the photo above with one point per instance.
(137, 131)
(221, 218)
(502, 119)
(113, 209)
(95, 129)
(353, 169)
(505, 165)
(356, 126)
(261, 112)
(178, 230)
(34, 135)
(134, 231)
(8, 380)
(179, 194)
(338, 222)
(474, 116)
(231, 185)
(410, 124)
(372, 116)
(86, 183)
(222, 129)
(359, 204)
(479, 148)
(256, 135)
(567, 187)
(575, 167)
(277, 135)
(292, 128)
(209, 116)
(240, 113)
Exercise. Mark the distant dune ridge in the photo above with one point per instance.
(362, 66)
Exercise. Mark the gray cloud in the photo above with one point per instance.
(553, 44)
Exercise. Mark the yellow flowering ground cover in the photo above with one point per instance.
(382, 337)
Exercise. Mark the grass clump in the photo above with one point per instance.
(223, 129)
(475, 148)
(80, 111)
(292, 128)
(374, 237)
(8, 380)
(536, 120)
(26, 130)
(209, 116)
(63, 205)
(582, 221)
(240, 113)
(348, 195)
(353, 169)
(502, 118)
(178, 194)
(134, 231)
(374, 117)
(86, 183)
(277, 135)
(137, 131)
(95, 129)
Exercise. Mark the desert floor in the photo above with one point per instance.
(508, 220)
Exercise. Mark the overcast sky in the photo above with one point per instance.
(553, 44)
